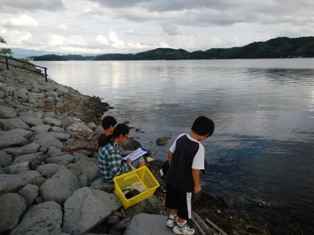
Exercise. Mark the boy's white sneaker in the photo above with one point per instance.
(185, 229)
(171, 222)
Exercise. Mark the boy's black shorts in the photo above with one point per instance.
(181, 201)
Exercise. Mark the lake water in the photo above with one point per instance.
(262, 148)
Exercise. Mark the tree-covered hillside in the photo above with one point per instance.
(281, 47)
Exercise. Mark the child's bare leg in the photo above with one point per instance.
(180, 220)
(173, 211)
(142, 163)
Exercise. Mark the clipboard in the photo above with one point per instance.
(136, 154)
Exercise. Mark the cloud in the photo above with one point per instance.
(62, 26)
(113, 40)
(66, 44)
(207, 13)
(136, 45)
(170, 29)
(55, 39)
(15, 38)
(163, 45)
(129, 31)
(102, 39)
(117, 4)
(22, 21)
(166, 5)
(134, 14)
(59, 40)
(126, 26)
(30, 5)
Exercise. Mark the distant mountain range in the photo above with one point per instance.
(25, 53)
(281, 47)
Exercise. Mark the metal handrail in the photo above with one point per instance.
(6, 58)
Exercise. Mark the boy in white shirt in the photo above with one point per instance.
(186, 158)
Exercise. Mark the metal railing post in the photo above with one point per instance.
(7, 62)
(46, 77)
(24, 65)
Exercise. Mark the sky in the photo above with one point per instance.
(131, 26)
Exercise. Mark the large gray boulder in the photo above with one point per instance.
(46, 140)
(86, 208)
(5, 159)
(11, 139)
(30, 157)
(86, 169)
(26, 149)
(12, 123)
(60, 186)
(17, 168)
(11, 183)
(7, 112)
(29, 192)
(12, 206)
(31, 118)
(52, 121)
(144, 224)
(44, 219)
(62, 159)
(41, 128)
(48, 170)
(21, 94)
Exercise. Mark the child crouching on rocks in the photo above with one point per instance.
(110, 159)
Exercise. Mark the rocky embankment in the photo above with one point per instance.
(45, 190)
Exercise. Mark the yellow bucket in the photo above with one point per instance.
(142, 176)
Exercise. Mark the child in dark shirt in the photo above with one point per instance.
(186, 158)
(108, 123)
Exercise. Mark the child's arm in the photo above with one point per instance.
(169, 157)
(196, 179)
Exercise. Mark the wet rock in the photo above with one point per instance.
(131, 144)
(162, 140)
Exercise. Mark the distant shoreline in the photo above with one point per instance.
(281, 47)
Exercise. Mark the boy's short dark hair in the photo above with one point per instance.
(121, 128)
(203, 126)
(108, 121)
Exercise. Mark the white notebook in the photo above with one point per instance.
(136, 154)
